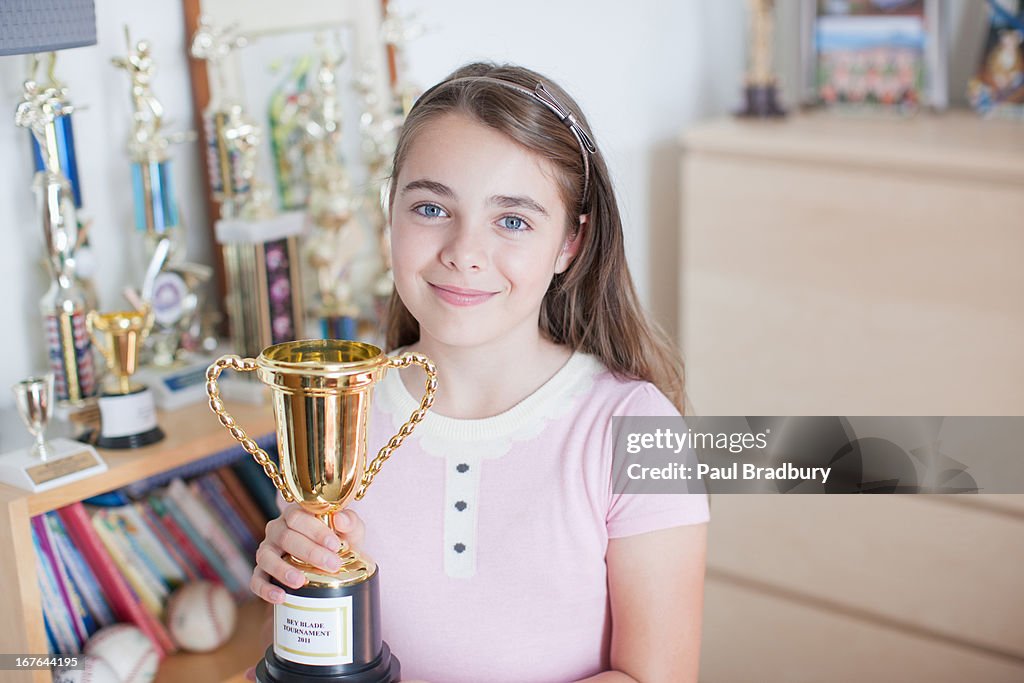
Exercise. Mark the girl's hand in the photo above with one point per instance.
(305, 537)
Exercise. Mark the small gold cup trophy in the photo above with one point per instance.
(48, 462)
(330, 629)
(127, 411)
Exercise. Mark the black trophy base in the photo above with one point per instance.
(372, 661)
(761, 101)
(132, 440)
(386, 669)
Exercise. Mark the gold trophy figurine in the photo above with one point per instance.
(322, 391)
(127, 411)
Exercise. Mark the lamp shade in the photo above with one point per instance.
(28, 26)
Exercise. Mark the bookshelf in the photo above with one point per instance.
(192, 434)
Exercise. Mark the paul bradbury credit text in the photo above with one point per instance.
(733, 471)
(817, 454)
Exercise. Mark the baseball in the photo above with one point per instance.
(126, 650)
(94, 670)
(201, 616)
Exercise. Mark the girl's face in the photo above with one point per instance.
(478, 231)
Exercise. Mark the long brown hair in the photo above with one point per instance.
(592, 306)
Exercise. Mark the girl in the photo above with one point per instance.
(505, 555)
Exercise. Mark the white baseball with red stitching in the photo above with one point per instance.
(201, 616)
(94, 670)
(127, 651)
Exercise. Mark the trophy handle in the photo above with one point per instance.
(105, 351)
(403, 361)
(217, 406)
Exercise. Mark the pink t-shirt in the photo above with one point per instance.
(490, 535)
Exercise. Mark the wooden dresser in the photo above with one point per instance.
(849, 266)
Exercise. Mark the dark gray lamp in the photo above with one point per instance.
(28, 26)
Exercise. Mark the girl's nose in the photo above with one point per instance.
(465, 249)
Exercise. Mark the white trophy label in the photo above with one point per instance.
(128, 414)
(314, 630)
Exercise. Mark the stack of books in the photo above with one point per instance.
(120, 561)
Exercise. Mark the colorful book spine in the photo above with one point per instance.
(243, 502)
(75, 589)
(212, 556)
(136, 554)
(167, 542)
(201, 519)
(212, 492)
(81, 575)
(55, 615)
(182, 541)
(71, 605)
(259, 485)
(130, 569)
(132, 522)
(123, 601)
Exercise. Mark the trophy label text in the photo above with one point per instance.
(48, 471)
(314, 630)
(127, 414)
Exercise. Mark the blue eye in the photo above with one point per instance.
(514, 223)
(430, 211)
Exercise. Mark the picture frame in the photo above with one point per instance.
(997, 88)
(875, 55)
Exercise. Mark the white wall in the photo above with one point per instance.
(641, 71)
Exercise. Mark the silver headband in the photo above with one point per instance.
(541, 94)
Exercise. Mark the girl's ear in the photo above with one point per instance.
(571, 246)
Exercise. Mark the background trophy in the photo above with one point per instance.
(171, 286)
(44, 110)
(259, 244)
(322, 390)
(45, 464)
(127, 412)
(761, 91)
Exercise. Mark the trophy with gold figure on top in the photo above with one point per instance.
(259, 243)
(336, 234)
(45, 111)
(171, 286)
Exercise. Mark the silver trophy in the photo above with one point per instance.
(47, 463)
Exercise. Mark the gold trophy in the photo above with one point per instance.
(330, 629)
(127, 411)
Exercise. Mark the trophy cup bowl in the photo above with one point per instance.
(127, 411)
(34, 398)
(321, 389)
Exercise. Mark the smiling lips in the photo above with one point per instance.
(459, 296)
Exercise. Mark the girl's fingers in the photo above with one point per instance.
(269, 561)
(260, 585)
(351, 526)
(309, 526)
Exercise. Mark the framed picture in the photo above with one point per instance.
(997, 89)
(886, 55)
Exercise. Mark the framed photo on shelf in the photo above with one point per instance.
(874, 55)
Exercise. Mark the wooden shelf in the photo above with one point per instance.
(955, 144)
(229, 663)
(193, 432)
